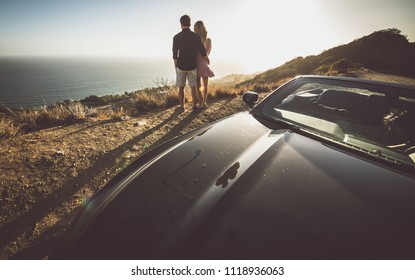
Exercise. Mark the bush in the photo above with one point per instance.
(154, 98)
(35, 119)
(172, 97)
(27, 119)
(7, 128)
(146, 101)
(343, 65)
(92, 99)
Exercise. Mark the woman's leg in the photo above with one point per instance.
(205, 89)
(199, 92)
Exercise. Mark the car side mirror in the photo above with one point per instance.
(250, 98)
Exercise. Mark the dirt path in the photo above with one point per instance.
(47, 175)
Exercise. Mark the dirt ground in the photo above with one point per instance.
(46, 176)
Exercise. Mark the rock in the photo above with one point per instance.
(123, 118)
(135, 148)
(140, 123)
(59, 153)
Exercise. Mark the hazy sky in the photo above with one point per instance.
(259, 34)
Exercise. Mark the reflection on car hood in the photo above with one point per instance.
(238, 189)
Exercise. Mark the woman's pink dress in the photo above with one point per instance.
(203, 69)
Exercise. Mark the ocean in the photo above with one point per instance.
(34, 82)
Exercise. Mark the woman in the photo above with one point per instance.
(203, 70)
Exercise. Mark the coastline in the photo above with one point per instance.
(30, 82)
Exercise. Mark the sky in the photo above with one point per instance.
(256, 34)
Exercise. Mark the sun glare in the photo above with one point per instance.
(265, 36)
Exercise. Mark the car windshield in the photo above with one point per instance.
(376, 118)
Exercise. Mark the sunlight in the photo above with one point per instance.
(269, 34)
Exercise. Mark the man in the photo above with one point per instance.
(186, 44)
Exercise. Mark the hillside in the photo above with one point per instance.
(386, 51)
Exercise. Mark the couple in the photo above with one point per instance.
(190, 55)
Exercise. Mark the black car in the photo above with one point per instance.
(322, 168)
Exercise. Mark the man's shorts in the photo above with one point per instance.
(181, 76)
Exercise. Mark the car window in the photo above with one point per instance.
(377, 118)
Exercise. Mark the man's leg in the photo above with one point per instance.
(181, 97)
(181, 83)
(194, 97)
(192, 78)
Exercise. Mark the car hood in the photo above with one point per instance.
(239, 190)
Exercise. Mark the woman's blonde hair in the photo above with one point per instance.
(201, 30)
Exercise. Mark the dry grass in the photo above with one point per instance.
(163, 97)
(110, 113)
(167, 96)
(146, 101)
(14, 122)
(7, 128)
(26, 120)
(62, 114)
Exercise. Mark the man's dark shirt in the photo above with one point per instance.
(186, 44)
